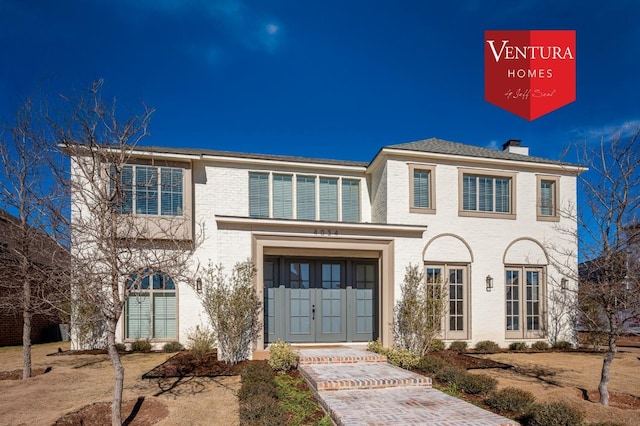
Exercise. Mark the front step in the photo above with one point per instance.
(364, 375)
(338, 356)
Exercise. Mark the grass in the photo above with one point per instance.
(299, 404)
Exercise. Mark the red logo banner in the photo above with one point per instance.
(530, 73)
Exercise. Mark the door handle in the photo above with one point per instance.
(313, 312)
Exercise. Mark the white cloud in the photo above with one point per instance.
(609, 131)
(493, 145)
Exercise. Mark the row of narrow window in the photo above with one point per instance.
(316, 198)
(147, 190)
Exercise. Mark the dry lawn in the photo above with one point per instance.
(560, 376)
(79, 380)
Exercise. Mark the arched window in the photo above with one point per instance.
(150, 311)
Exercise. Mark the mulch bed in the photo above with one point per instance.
(468, 362)
(184, 364)
(619, 400)
(135, 412)
(17, 374)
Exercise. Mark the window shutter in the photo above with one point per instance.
(350, 200)
(282, 197)
(503, 204)
(469, 192)
(546, 198)
(258, 195)
(171, 195)
(485, 194)
(138, 316)
(329, 199)
(421, 188)
(146, 190)
(306, 198)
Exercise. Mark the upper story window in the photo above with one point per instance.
(422, 178)
(487, 194)
(149, 190)
(303, 197)
(547, 198)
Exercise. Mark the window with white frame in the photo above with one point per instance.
(547, 195)
(150, 309)
(524, 287)
(148, 190)
(304, 197)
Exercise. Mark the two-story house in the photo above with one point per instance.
(331, 239)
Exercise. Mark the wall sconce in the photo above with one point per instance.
(199, 285)
(564, 284)
(489, 282)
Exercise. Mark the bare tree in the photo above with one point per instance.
(116, 252)
(608, 236)
(34, 265)
(419, 314)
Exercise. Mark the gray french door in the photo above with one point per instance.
(319, 300)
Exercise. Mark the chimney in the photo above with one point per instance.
(513, 146)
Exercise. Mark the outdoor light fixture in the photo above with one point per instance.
(489, 282)
(564, 283)
(199, 285)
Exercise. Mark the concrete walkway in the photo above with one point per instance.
(360, 388)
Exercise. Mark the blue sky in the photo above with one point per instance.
(330, 79)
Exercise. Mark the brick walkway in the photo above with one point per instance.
(359, 388)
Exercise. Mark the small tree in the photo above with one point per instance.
(233, 309)
(608, 235)
(418, 315)
(34, 260)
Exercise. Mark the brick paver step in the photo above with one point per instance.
(338, 355)
(405, 406)
(363, 375)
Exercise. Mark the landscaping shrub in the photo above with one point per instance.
(437, 345)
(553, 414)
(458, 346)
(606, 424)
(201, 342)
(540, 346)
(477, 383)
(452, 375)
(430, 364)
(375, 346)
(172, 347)
(141, 346)
(282, 357)
(121, 347)
(261, 410)
(255, 388)
(518, 346)
(487, 346)
(562, 345)
(511, 399)
(401, 358)
(256, 372)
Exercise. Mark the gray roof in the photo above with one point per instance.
(199, 152)
(439, 146)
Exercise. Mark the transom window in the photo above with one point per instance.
(524, 291)
(302, 197)
(148, 190)
(150, 309)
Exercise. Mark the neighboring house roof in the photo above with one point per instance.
(440, 146)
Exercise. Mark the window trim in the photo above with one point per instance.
(555, 216)
(488, 173)
(150, 292)
(446, 333)
(432, 184)
(523, 333)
